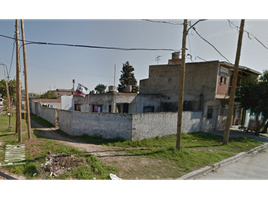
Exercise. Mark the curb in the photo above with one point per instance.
(227, 161)
(9, 176)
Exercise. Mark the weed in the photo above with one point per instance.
(41, 121)
(198, 149)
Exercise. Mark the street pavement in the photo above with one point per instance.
(252, 167)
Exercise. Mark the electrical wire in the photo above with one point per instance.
(99, 47)
(89, 46)
(210, 44)
(248, 33)
(191, 26)
(165, 22)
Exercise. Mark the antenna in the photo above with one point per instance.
(73, 83)
(157, 59)
(114, 74)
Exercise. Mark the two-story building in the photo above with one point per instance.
(207, 87)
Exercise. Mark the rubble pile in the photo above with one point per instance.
(58, 164)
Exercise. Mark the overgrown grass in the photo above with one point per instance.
(39, 148)
(198, 149)
(41, 121)
(37, 152)
(4, 122)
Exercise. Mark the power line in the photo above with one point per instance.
(165, 22)
(248, 33)
(99, 47)
(90, 46)
(210, 44)
(192, 26)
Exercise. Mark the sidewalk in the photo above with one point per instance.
(235, 132)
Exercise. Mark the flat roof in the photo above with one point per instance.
(226, 64)
(240, 67)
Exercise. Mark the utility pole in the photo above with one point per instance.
(28, 118)
(233, 87)
(181, 92)
(18, 86)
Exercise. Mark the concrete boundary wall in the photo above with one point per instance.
(106, 125)
(49, 114)
(150, 125)
(65, 121)
(127, 126)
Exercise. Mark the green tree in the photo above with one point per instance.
(253, 95)
(11, 88)
(48, 95)
(127, 78)
(100, 88)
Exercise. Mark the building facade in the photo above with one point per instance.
(207, 88)
(116, 102)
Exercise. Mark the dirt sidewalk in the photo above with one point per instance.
(129, 166)
(97, 150)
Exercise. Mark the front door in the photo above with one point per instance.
(215, 117)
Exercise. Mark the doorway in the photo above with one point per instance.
(215, 118)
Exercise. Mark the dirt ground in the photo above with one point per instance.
(130, 167)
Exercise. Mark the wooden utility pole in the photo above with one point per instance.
(233, 87)
(18, 86)
(28, 118)
(181, 92)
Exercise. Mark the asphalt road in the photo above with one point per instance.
(252, 167)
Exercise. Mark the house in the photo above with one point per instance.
(117, 102)
(60, 92)
(66, 102)
(207, 88)
(51, 103)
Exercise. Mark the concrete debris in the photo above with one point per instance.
(114, 177)
(57, 164)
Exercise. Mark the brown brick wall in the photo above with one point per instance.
(222, 89)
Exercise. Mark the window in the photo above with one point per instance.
(147, 109)
(187, 105)
(97, 108)
(77, 107)
(224, 72)
(209, 113)
(223, 80)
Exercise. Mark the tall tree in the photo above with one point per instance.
(253, 95)
(11, 86)
(100, 88)
(127, 78)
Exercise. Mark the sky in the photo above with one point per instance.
(54, 67)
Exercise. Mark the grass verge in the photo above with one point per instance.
(155, 158)
(198, 149)
(38, 149)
